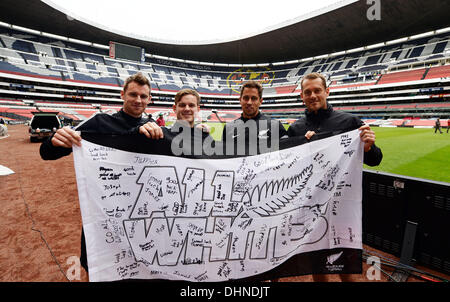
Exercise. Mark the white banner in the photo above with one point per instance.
(163, 217)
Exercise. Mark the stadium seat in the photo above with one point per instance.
(438, 72)
(402, 76)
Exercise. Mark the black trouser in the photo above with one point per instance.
(83, 254)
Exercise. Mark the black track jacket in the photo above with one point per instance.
(333, 122)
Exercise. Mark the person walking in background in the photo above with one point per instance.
(437, 126)
(160, 120)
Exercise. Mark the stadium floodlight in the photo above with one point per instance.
(397, 41)
(207, 63)
(375, 45)
(443, 30)
(80, 41)
(160, 57)
(427, 34)
(337, 53)
(54, 36)
(321, 57)
(355, 50)
(28, 30)
(100, 46)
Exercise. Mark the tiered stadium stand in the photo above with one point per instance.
(383, 82)
(438, 72)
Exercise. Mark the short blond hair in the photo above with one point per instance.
(187, 91)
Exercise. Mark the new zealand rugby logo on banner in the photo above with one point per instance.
(237, 77)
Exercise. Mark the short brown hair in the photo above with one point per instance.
(252, 84)
(139, 78)
(187, 91)
(313, 76)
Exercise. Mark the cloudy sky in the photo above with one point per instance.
(191, 20)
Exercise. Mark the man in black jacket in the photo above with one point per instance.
(252, 133)
(320, 118)
(135, 95)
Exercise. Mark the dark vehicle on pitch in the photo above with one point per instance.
(43, 124)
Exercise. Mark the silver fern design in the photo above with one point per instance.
(284, 198)
(276, 196)
(332, 258)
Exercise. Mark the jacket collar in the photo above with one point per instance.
(257, 117)
(129, 117)
(321, 113)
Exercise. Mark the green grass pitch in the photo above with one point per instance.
(406, 151)
(414, 152)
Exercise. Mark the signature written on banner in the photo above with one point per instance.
(148, 216)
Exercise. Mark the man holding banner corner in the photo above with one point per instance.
(136, 95)
(322, 120)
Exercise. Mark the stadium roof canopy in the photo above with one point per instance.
(342, 28)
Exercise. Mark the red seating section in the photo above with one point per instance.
(433, 105)
(402, 106)
(352, 85)
(285, 89)
(438, 72)
(402, 76)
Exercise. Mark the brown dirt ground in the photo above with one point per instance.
(41, 198)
